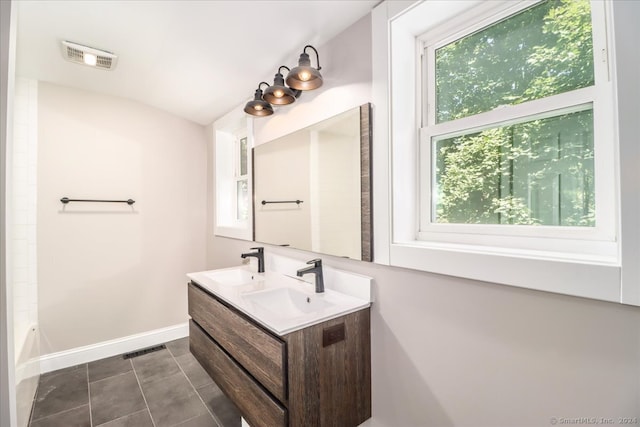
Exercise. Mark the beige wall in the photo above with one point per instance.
(107, 271)
(335, 162)
(454, 352)
(282, 173)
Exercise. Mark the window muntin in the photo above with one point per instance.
(557, 92)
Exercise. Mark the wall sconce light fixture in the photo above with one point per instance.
(302, 77)
(278, 93)
(259, 107)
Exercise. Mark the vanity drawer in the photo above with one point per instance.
(256, 406)
(257, 351)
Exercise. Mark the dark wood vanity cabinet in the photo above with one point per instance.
(316, 376)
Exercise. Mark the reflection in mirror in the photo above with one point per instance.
(242, 181)
(312, 187)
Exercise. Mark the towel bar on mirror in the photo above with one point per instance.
(297, 202)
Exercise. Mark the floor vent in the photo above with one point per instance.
(143, 351)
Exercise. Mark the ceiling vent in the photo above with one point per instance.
(89, 56)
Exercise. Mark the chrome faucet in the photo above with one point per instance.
(259, 254)
(317, 269)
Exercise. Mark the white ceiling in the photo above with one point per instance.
(195, 59)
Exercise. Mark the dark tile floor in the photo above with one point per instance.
(165, 388)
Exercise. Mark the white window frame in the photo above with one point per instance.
(587, 243)
(227, 132)
(573, 269)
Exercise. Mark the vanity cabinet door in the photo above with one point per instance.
(260, 353)
(329, 370)
(257, 407)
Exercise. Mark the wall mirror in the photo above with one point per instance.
(312, 188)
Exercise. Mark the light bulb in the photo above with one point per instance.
(278, 93)
(258, 107)
(90, 59)
(304, 75)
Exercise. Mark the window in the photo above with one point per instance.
(509, 132)
(536, 171)
(502, 149)
(233, 213)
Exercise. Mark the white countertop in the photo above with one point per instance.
(280, 303)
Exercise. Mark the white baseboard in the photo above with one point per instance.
(28, 369)
(76, 356)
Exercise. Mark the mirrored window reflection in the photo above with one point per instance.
(243, 156)
(242, 194)
(242, 181)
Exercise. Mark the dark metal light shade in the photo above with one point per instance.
(258, 107)
(304, 76)
(278, 93)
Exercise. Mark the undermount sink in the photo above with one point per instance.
(231, 276)
(287, 302)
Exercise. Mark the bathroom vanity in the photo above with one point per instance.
(283, 354)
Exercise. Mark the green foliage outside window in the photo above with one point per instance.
(541, 171)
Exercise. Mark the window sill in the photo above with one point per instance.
(589, 278)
